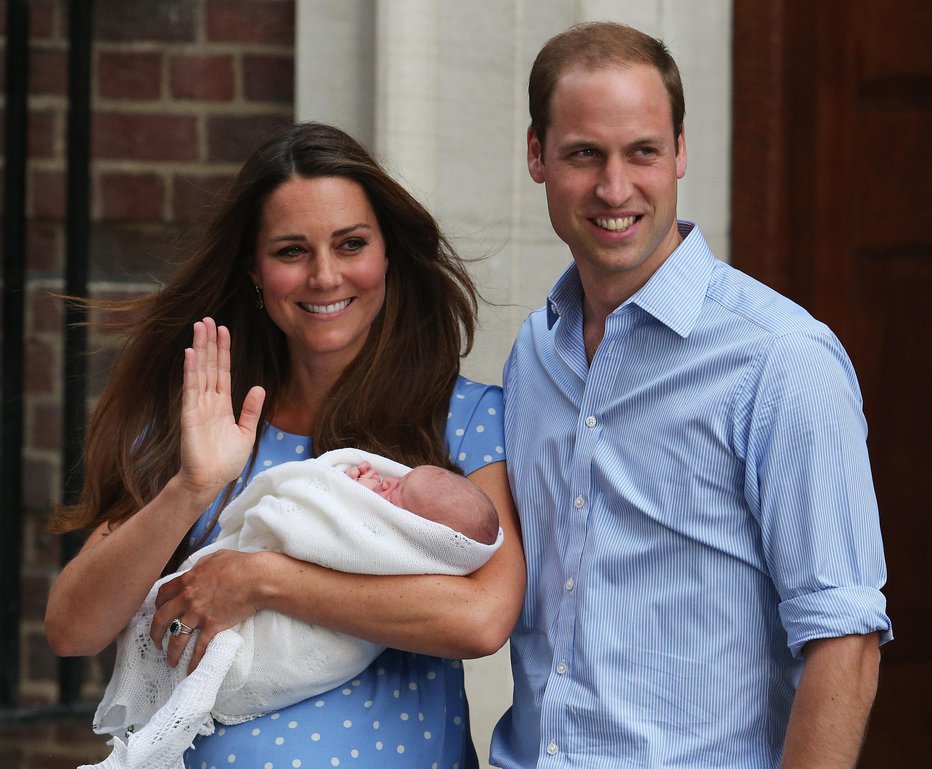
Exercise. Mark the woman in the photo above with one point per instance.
(348, 313)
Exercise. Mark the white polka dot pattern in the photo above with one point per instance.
(369, 722)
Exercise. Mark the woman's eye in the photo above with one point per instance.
(289, 251)
(354, 244)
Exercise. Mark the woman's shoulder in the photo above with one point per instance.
(475, 429)
(468, 394)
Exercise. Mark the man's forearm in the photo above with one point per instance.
(833, 701)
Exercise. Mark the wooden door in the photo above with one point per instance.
(832, 205)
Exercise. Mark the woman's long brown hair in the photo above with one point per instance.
(392, 400)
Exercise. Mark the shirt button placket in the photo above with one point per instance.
(561, 685)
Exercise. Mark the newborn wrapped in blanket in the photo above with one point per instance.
(309, 510)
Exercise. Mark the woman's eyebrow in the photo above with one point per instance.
(352, 227)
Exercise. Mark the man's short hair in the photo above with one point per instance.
(593, 46)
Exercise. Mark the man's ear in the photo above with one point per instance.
(535, 156)
(681, 153)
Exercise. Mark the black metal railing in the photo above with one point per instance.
(14, 282)
(77, 239)
(77, 229)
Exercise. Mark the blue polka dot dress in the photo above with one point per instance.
(405, 710)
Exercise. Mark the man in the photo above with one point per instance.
(687, 453)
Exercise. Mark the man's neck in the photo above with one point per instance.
(593, 326)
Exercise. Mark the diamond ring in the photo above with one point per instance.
(177, 627)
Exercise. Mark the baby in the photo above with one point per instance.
(437, 495)
(424, 520)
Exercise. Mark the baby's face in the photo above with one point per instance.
(411, 491)
(392, 489)
(389, 488)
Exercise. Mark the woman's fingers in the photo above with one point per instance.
(211, 355)
(189, 389)
(209, 368)
(194, 381)
(205, 350)
(175, 618)
(167, 602)
(181, 631)
(200, 646)
(212, 596)
(199, 344)
(252, 410)
(214, 443)
(223, 360)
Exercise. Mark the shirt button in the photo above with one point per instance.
(552, 748)
(591, 421)
(561, 668)
(570, 583)
(580, 501)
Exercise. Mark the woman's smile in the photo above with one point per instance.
(325, 309)
(321, 265)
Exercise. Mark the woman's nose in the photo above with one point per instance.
(325, 272)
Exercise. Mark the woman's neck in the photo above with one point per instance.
(301, 399)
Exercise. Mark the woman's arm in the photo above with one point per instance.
(457, 617)
(98, 592)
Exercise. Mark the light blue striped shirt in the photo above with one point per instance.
(696, 505)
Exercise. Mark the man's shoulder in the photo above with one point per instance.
(531, 351)
(759, 305)
(535, 326)
(786, 341)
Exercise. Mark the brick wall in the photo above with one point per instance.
(182, 90)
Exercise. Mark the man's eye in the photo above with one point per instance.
(586, 153)
(646, 152)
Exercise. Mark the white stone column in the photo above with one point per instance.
(335, 64)
(407, 60)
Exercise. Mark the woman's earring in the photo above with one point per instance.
(259, 303)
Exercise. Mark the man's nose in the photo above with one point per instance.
(614, 186)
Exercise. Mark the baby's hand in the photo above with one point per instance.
(364, 474)
(362, 470)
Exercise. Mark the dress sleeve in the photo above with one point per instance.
(475, 431)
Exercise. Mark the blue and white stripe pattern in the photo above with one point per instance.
(696, 505)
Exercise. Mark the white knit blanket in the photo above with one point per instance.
(309, 510)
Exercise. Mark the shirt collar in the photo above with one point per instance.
(565, 297)
(674, 294)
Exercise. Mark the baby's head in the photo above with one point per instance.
(442, 496)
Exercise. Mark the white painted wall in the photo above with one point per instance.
(438, 90)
